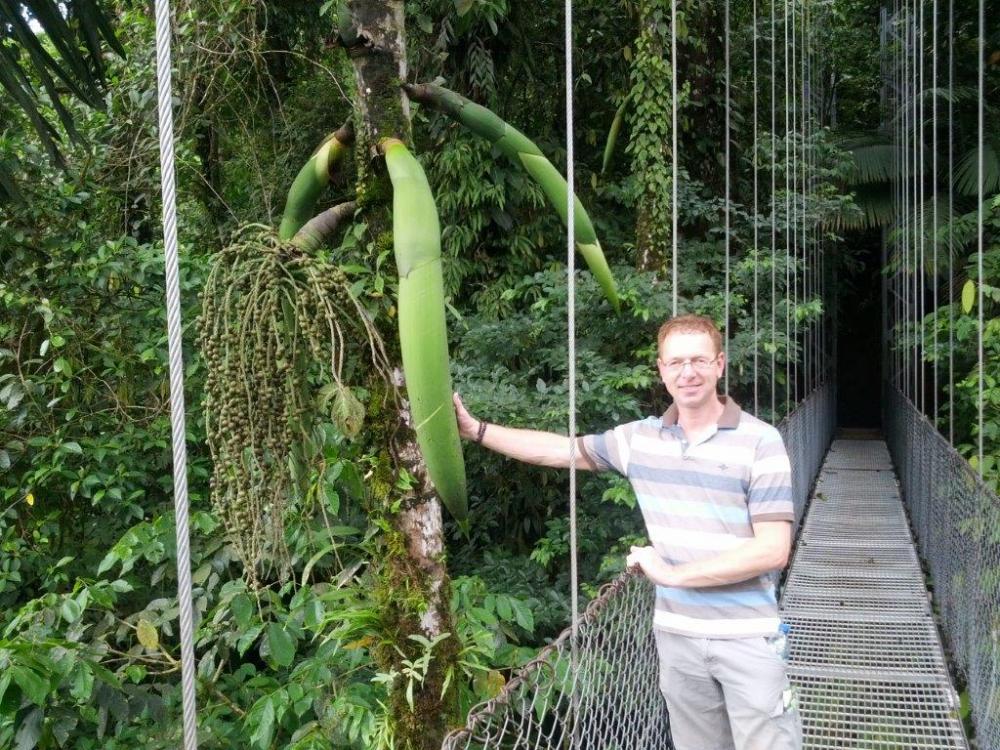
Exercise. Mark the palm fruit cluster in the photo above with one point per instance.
(272, 336)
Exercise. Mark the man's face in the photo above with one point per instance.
(690, 368)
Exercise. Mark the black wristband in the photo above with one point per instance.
(481, 432)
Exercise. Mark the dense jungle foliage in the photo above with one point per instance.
(302, 654)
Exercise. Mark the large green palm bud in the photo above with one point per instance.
(522, 151)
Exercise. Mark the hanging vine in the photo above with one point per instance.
(649, 145)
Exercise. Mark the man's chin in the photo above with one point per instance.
(693, 399)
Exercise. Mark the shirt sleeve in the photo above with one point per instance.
(770, 494)
(610, 450)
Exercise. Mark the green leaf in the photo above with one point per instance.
(968, 296)
(32, 684)
(29, 732)
(348, 413)
(523, 615)
(280, 644)
(504, 608)
(147, 635)
(242, 609)
(73, 447)
(83, 682)
(71, 610)
(264, 730)
(247, 639)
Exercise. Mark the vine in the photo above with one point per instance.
(649, 146)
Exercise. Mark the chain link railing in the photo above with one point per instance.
(956, 520)
(611, 699)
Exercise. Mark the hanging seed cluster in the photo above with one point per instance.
(272, 333)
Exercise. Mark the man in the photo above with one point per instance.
(714, 486)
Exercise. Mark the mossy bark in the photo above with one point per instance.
(414, 590)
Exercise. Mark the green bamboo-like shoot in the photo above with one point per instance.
(522, 151)
(310, 181)
(423, 336)
(616, 126)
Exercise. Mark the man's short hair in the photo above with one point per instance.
(690, 324)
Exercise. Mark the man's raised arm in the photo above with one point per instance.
(531, 446)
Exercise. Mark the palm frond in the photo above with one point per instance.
(967, 171)
(872, 208)
(49, 50)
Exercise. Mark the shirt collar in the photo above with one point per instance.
(730, 418)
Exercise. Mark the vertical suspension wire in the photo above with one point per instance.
(774, 214)
(935, 275)
(908, 145)
(177, 406)
(804, 162)
(914, 275)
(792, 217)
(788, 212)
(819, 111)
(756, 229)
(904, 176)
(673, 152)
(979, 223)
(951, 222)
(921, 274)
(900, 244)
(571, 319)
(900, 212)
(725, 381)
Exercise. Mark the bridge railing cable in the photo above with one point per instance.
(957, 518)
(954, 513)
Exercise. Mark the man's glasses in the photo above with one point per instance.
(698, 364)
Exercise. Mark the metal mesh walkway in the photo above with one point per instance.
(864, 651)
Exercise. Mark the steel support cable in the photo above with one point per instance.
(725, 377)
(674, 156)
(981, 280)
(914, 275)
(951, 223)
(788, 212)
(571, 335)
(922, 172)
(756, 229)
(177, 408)
(774, 214)
(907, 198)
(934, 203)
(804, 161)
(793, 290)
(899, 214)
(899, 116)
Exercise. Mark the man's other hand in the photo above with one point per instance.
(648, 561)
(468, 426)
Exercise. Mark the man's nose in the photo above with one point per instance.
(687, 370)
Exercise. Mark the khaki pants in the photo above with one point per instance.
(726, 694)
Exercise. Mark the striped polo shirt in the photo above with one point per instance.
(698, 500)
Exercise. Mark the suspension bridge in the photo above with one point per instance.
(892, 591)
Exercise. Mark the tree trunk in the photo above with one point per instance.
(413, 590)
